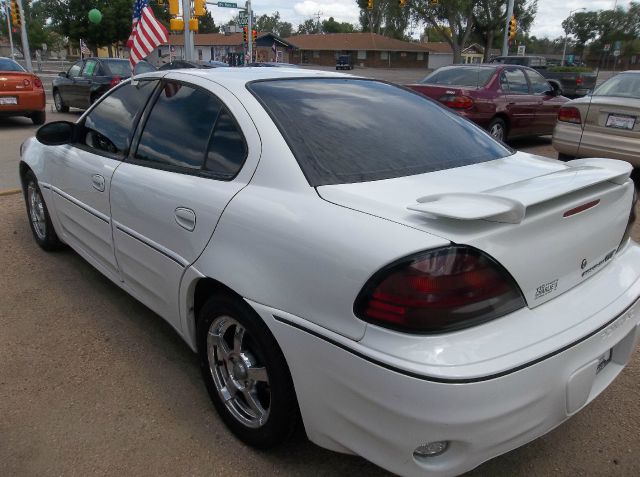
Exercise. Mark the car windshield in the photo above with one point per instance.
(9, 65)
(461, 76)
(357, 130)
(623, 85)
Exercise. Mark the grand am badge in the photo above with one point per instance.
(606, 258)
(546, 288)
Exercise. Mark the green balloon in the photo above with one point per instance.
(95, 16)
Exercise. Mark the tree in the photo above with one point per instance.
(207, 25)
(583, 26)
(386, 18)
(309, 27)
(272, 24)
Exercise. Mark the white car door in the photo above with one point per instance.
(194, 151)
(82, 172)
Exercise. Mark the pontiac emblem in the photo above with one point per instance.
(583, 265)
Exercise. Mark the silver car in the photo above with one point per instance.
(605, 124)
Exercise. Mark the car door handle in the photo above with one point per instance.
(186, 218)
(98, 182)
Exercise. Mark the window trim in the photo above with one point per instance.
(136, 120)
(142, 123)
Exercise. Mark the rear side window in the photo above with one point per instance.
(109, 126)
(190, 130)
(460, 76)
(354, 130)
(514, 81)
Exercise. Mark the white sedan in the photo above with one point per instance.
(347, 254)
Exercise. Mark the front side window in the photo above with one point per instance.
(75, 69)
(354, 130)
(190, 130)
(90, 68)
(109, 126)
(516, 81)
(539, 84)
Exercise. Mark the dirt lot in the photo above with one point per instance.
(93, 383)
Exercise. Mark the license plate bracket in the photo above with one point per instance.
(9, 100)
(621, 121)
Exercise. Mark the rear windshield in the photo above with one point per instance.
(623, 85)
(473, 77)
(356, 130)
(123, 67)
(10, 65)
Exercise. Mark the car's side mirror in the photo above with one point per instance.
(555, 89)
(56, 133)
(63, 74)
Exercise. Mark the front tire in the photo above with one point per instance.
(245, 372)
(498, 129)
(59, 104)
(39, 218)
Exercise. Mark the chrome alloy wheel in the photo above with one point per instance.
(36, 211)
(57, 101)
(240, 379)
(497, 131)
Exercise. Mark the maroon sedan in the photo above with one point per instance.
(506, 100)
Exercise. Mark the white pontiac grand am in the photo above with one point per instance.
(348, 254)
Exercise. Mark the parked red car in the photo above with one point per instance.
(506, 100)
(21, 92)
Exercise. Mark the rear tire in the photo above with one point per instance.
(39, 117)
(59, 104)
(245, 372)
(39, 218)
(565, 157)
(498, 129)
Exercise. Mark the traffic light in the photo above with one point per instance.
(254, 35)
(513, 27)
(402, 3)
(16, 20)
(174, 8)
(433, 3)
(369, 4)
(245, 32)
(199, 8)
(193, 24)
(176, 24)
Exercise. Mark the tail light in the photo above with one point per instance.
(37, 83)
(569, 115)
(457, 101)
(632, 218)
(579, 80)
(115, 80)
(440, 290)
(26, 82)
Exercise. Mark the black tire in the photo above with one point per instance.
(59, 104)
(39, 117)
(38, 215)
(223, 365)
(565, 157)
(498, 129)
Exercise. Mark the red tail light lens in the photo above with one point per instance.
(579, 80)
(569, 115)
(37, 83)
(457, 102)
(115, 80)
(440, 290)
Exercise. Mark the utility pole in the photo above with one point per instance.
(505, 43)
(25, 40)
(6, 10)
(188, 34)
(249, 33)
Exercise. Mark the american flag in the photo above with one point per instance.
(84, 48)
(146, 32)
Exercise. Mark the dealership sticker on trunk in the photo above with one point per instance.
(9, 100)
(621, 122)
(546, 288)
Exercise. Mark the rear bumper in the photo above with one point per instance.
(356, 399)
(28, 101)
(566, 138)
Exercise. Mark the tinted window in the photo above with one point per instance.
(89, 68)
(227, 148)
(516, 81)
(109, 126)
(539, 85)
(9, 65)
(75, 70)
(179, 127)
(352, 130)
(623, 85)
(474, 77)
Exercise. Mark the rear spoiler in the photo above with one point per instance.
(509, 203)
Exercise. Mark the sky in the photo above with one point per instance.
(547, 23)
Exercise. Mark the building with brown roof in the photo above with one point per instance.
(365, 49)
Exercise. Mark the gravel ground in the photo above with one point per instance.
(93, 383)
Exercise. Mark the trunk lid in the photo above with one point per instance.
(14, 81)
(613, 115)
(524, 211)
(438, 91)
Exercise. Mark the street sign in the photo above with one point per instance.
(617, 45)
(607, 47)
(227, 5)
(616, 52)
(521, 49)
(243, 17)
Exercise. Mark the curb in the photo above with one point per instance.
(9, 192)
